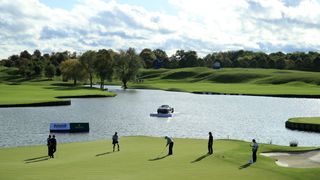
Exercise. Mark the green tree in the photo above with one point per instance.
(49, 71)
(103, 66)
(36, 54)
(72, 69)
(162, 57)
(87, 60)
(25, 54)
(316, 63)
(127, 64)
(148, 57)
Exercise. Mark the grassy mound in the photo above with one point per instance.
(139, 158)
(234, 81)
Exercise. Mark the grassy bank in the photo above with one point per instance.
(16, 91)
(305, 120)
(139, 159)
(233, 81)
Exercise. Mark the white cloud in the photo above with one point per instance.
(201, 25)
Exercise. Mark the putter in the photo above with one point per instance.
(162, 151)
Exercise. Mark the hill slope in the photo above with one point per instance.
(233, 80)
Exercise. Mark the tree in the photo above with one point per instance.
(191, 58)
(127, 64)
(49, 71)
(148, 57)
(36, 54)
(262, 59)
(316, 63)
(162, 57)
(87, 60)
(25, 54)
(72, 69)
(103, 66)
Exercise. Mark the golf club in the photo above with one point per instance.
(162, 151)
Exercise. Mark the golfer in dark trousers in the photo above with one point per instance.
(255, 147)
(115, 141)
(210, 143)
(170, 143)
(48, 144)
(52, 146)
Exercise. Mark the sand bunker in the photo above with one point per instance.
(309, 159)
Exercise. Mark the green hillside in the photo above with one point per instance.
(232, 80)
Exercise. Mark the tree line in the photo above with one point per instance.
(124, 64)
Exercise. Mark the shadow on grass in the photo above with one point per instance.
(14, 79)
(244, 166)
(158, 158)
(54, 87)
(105, 153)
(36, 159)
(31, 159)
(200, 158)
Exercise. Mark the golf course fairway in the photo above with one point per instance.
(140, 158)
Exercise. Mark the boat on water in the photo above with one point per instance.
(163, 111)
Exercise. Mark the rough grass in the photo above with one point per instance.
(305, 120)
(139, 158)
(17, 90)
(233, 80)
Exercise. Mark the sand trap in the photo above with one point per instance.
(310, 159)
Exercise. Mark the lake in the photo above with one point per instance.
(234, 117)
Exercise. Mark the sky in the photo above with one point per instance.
(205, 26)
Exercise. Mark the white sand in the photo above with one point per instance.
(310, 159)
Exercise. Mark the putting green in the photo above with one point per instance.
(139, 159)
(305, 120)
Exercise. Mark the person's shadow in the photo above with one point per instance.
(105, 153)
(36, 159)
(244, 166)
(200, 158)
(158, 158)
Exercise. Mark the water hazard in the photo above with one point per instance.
(234, 117)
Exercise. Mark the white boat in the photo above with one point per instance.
(163, 111)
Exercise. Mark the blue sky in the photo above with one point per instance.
(64, 4)
(202, 25)
(152, 5)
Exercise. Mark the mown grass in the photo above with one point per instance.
(233, 80)
(15, 89)
(139, 158)
(305, 120)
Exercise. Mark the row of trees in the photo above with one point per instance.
(104, 64)
(34, 64)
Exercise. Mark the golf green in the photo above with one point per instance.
(140, 158)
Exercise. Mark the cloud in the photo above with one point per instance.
(201, 25)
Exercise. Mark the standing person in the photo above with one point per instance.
(170, 143)
(115, 141)
(255, 147)
(52, 146)
(48, 144)
(210, 143)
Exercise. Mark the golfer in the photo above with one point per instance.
(255, 147)
(170, 143)
(52, 146)
(115, 141)
(48, 144)
(210, 143)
